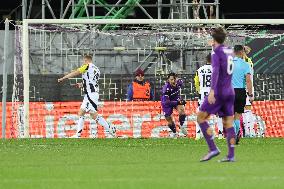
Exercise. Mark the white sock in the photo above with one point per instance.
(260, 126)
(198, 131)
(248, 120)
(246, 124)
(219, 122)
(103, 123)
(220, 125)
(80, 125)
(211, 123)
(251, 123)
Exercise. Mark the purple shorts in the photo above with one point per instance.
(168, 110)
(223, 106)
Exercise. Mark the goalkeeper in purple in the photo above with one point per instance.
(220, 100)
(171, 100)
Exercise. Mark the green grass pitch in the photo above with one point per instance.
(138, 163)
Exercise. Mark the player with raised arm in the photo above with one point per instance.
(90, 75)
(221, 97)
(202, 82)
(171, 100)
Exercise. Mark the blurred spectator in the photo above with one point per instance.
(212, 14)
(195, 9)
(139, 89)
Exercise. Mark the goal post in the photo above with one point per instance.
(27, 22)
(26, 77)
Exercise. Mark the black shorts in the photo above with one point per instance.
(240, 100)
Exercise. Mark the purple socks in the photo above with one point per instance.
(231, 140)
(208, 135)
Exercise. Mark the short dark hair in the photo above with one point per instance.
(172, 74)
(238, 48)
(208, 58)
(219, 35)
(87, 56)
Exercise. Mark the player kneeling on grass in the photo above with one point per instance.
(221, 97)
(90, 75)
(171, 100)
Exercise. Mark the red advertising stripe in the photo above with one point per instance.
(132, 119)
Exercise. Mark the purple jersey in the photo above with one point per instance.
(222, 69)
(171, 94)
(221, 83)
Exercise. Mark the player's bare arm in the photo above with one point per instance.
(79, 85)
(71, 74)
(249, 87)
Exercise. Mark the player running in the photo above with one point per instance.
(221, 97)
(202, 82)
(90, 75)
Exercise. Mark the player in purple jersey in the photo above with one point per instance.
(220, 100)
(171, 99)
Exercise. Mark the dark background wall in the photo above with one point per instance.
(114, 87)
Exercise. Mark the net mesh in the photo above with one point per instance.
(118, 51)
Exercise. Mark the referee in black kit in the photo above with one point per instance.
(241, 80)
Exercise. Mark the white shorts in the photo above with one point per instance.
(90, 102)
(248, 103)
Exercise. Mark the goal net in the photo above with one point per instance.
(48, 49)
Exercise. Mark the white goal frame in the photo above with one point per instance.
(25, 40)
